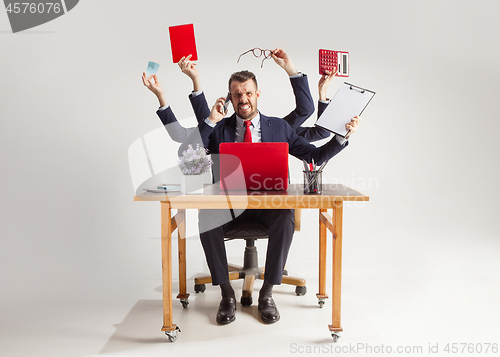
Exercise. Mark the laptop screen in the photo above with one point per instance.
(254, 166)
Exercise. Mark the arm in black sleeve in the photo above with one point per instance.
(176, 131)
(304, 109)
(314, 133)
(200, 106)
(200, 136)
(304, 104)
(300, 148)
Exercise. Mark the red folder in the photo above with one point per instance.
(182, 42)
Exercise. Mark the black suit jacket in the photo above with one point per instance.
(272, 130)
(304, 108)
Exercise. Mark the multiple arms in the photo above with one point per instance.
(303, 99)
(304, 103)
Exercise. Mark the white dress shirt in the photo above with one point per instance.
(254, 129)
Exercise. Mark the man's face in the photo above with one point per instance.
(244, 97)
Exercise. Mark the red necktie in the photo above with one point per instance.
(248, 134)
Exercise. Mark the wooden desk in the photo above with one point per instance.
(332, 198)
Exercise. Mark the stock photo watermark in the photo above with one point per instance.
(367, 348)
(24, 15)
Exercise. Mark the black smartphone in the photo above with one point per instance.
(226, 103)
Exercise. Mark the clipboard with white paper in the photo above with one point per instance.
(348, 102)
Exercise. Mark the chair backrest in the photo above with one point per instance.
(253, 230)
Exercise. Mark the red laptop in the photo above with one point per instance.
(254, 166)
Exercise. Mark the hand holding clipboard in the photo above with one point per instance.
(352, 126)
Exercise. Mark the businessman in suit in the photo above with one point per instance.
(304, 107)
(248, 124)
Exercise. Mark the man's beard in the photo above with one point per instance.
(249, 114)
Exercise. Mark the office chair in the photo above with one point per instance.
(250, 232)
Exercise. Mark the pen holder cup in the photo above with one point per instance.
(313, 181)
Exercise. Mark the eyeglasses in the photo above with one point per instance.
(257, 52)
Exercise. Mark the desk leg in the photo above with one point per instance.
(322, 260)
(337, 269)
(166, 263)
(181, 231)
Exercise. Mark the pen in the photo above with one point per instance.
(322, 166)
(311, 181)
(305, 165)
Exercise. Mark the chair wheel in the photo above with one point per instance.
(184, 303)
(199, 288)
(246, 301)
(300, 290)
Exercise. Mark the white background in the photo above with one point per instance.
(420, 259)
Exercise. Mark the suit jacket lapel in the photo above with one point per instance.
(265, 129)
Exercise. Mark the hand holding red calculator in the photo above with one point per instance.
(329, 60)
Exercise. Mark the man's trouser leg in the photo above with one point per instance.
(281, 224)
(210, 224)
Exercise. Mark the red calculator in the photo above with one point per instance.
(328, 60)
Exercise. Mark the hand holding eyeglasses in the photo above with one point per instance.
(283, 60)
(280, 57)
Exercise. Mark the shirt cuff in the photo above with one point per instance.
(197, 93)
(324, 101)
(298, 75)
(340, 140)
(209, 123)
(163, 108)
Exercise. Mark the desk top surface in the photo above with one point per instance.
(294, 197)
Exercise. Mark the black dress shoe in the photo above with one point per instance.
(227, 307)
(268, 310)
